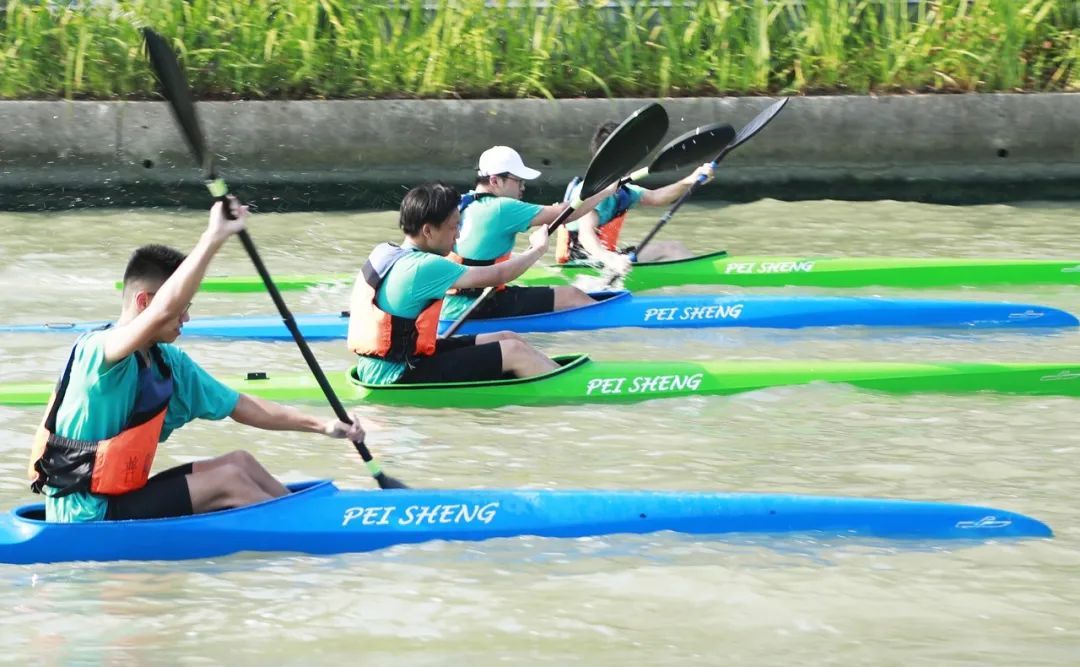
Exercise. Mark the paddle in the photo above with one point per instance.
(175, 88)
(744, 135)
(690, 149)
(627, 145)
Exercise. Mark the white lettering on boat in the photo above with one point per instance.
(714, 312)
(985, 522)
(644, 384)
(368, 516)
(740, 267)
(1063, 375)
(605, 385)
(415, 515)
(770, 267)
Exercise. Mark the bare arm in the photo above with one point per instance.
(174, 296)
(587, 228)
(504, 272)
(550, 213)
(587, 235)
(670, 193)
(271, 416)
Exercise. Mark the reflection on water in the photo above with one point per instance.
(653, 599)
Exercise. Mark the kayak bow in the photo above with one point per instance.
(582, 380)
(319, 518)
(763, 271)
(623, 309)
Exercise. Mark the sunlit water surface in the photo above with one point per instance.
(655, 599)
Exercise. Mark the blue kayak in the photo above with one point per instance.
(623, 309)
(319, 518)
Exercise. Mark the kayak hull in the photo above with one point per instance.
(840, 272)
(623, 309)
(719, 268)
(580, 380)
(319, 518)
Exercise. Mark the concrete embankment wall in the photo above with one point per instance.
(347, 154)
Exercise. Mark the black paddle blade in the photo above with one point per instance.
(174, 87)
(696, 147)
(759, 122)
(628, 145)
(387, 482)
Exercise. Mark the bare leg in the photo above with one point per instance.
(223, 486)
(498, 336)
(524, 360)
(571, 297)
(663, 251)
(251, 468)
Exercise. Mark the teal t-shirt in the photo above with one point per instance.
(490, 225)
(99, 400)
(489, 229)
(605, 210)
(411, 285)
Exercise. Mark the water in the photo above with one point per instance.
(654, 599)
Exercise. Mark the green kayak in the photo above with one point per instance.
(581, 380)
(762, 271)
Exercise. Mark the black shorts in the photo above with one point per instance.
(516, 301)
(165, 494)
(457, 359)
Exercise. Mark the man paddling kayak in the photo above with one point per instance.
(595, 236)
(492, 215)
(398, 296)
(126, 388)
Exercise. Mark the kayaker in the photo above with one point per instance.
(492, 215)
(398, 295)
(595, 236)
(126, 388)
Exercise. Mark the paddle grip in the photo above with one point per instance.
(227, 207)
(566, 213)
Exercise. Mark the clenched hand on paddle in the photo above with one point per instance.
(627, 145)
(175, 89)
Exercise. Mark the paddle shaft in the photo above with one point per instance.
(671, 211)
(178, 93)
(305, 350)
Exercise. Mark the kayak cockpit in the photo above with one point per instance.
(31, 512)
(567, 362)
(36, 513)
(704, 259)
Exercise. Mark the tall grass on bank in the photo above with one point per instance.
(275, 49)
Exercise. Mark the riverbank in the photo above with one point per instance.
(364, 154)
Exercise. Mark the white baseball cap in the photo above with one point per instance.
(504, 160)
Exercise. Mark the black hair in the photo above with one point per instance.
(152, 263)
(486, 178)
(601, 135)
(430, 203)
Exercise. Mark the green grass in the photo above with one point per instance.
(278, 49)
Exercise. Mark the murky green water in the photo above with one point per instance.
(657, 599)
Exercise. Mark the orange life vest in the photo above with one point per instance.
(112, 466)
(568, 245)
(375, 333)
(466, 200)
